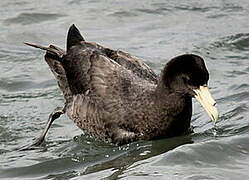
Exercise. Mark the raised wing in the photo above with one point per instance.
(101, 93)
(92, 72)
(84, 60)
(54, 56)
(132, 63)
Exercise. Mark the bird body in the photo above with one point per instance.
(116, 97)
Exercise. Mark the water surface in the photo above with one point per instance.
(156, 31)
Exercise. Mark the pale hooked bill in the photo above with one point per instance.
(204, 97)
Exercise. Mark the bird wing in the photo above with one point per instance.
(101, 90)
(89, 70)
(53, 57)
(132, 63)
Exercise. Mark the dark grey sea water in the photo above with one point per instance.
(155, 30)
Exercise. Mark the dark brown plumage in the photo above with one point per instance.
(115, 96)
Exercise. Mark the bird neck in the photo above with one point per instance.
(162, 90)
(165, 96)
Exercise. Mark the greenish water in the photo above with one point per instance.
(155, 30)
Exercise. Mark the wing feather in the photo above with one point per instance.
(133, 63)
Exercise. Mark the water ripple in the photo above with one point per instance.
(21, 85)
(237, 97)
(155, 30)
(31, 18)
(234, 42)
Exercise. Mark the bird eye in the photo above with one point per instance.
(186, 80)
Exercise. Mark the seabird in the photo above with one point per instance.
(115, 96)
